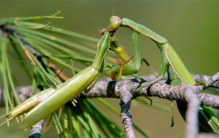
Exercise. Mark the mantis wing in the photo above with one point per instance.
(178, 66)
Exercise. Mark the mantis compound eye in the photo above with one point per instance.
(115, 22)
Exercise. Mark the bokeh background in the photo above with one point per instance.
(191, 27)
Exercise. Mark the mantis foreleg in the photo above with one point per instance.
(130, 67)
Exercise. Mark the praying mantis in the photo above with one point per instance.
(37, 103)
(171, 63)
(49, 105)
(43, 103)
(68, 89)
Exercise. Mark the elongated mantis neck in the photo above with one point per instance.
(103, 46)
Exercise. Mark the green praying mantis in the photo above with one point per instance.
(67, 90)
(70, 88)
(171, 63)
(47, 101)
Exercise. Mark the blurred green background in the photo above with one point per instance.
(191, 27)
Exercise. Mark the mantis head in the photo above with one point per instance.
(115, 22)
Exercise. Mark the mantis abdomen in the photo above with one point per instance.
(66, 92)
(68, 89)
